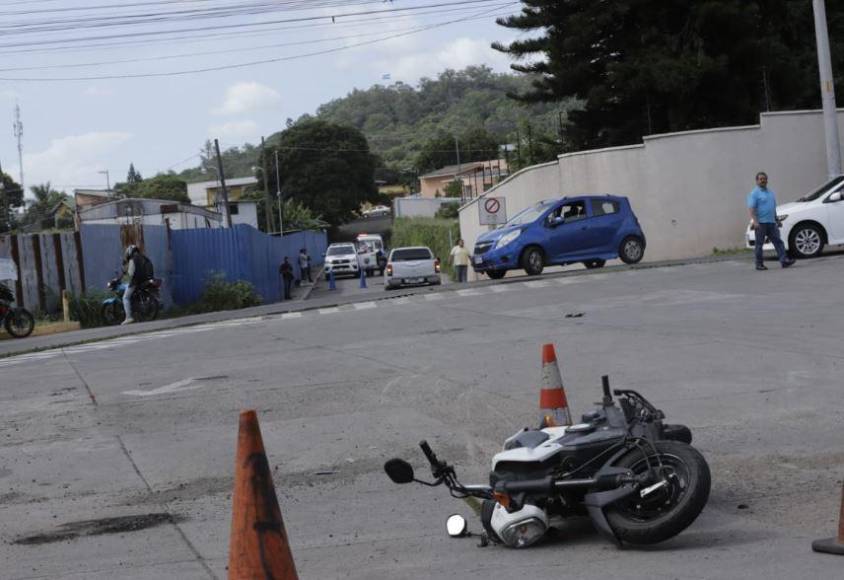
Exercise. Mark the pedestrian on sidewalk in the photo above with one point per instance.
(460, 259)
(762, 205)
(304, 265)
(286, 271)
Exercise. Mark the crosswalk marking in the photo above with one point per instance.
(291, 315)
(331, 310)
(364, 305)
(537, 283)
(433, 297)
(468, 292)
(501, 288)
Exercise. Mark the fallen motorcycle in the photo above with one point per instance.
(145, 302)
(638, 479)
(17, 321)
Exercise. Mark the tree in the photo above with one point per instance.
(650, 66)
(133, 177)
(163, 186)
(475, 145)
(11, 198)
(40, 207)
(325, 167)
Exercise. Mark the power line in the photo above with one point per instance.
(243, 64)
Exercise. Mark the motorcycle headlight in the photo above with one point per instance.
(507, 238)
(521, 528)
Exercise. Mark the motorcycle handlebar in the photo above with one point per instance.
(426, 449)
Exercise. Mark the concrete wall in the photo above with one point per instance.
(247, 214)
(419, 206)
(688, 189)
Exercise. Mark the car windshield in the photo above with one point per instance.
(340, 250)
(528, 215)
(411, 254)
(829, 185)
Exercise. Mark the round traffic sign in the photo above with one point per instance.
(492, 205)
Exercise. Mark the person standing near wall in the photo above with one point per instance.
(286, 271)
(460, 259)
(762, 205)
(304, 265)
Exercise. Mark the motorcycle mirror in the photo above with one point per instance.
(399, 470)
(456, 526)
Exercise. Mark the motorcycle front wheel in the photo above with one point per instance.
(112, 313)
(670, 509)
(19, 322)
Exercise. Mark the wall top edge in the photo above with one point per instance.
(501, 183)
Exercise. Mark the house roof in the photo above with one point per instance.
(144, 206)
(230, 182)
(452, 170)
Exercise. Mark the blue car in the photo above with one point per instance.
(590, 229)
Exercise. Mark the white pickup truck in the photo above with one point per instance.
(411, 267)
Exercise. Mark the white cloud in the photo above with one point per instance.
(235, 130)
(74, 161)
(456, 55)
(247, 97)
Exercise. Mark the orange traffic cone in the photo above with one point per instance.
(552, 397)
(258, 547)
(833, 545)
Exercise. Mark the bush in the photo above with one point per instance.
(431, 232)
(220, 294)
(448, 211)
(87, 309)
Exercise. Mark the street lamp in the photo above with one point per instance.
(108, 181)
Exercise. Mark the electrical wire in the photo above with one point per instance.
(238, 65)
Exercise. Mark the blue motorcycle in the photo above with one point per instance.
(145, 302)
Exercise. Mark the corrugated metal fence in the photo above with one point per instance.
(184, 259)
(239, 253)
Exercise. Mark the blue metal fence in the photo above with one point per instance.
(239, 253)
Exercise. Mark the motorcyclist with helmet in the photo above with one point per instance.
(139, 271)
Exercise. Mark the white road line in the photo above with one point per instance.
(598, 276)
(402, 300)
(501, 288)
(332, 310)
(433, 297)
(537, 283)
(468, 292)
(567, 281)
(364, 305)
(183, 385)
(291, 315)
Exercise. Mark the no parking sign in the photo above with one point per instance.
(493, 211)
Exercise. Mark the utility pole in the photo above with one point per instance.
(108, 180)
(833, 146)
(267, 196)
(223, 184)
(278, 192)
(459, 168)
(18, 129)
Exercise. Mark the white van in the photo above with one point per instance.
(371, 253)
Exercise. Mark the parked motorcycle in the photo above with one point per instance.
(638, 479)
(17, 321)
(146, 301)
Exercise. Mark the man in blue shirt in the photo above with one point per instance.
(762, 205)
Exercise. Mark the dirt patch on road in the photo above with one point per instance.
(118, 525)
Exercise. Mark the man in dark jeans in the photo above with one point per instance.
(286, 271)
(762, 205)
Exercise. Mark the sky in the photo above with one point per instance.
(105, 83)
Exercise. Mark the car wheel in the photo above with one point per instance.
(533, 261)
(806, 241)
(631, 250)
(496, 274)
(591, 264)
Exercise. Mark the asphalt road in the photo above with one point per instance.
(116, 457)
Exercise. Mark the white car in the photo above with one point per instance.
(371, 253)
(810, 223)
(412, 266)
(341, 259)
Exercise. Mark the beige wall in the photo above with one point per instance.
(688, 189)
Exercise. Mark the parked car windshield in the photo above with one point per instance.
(411, 254)
(528, 215)
(835, 182)
(340, 250)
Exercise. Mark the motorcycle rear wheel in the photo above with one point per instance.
(668, 511)
(147, 308)
(19, 322)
